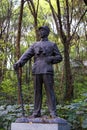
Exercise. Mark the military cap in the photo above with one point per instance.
(44, 27)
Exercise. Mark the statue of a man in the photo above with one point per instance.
(45, 54)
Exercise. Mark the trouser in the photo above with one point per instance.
(48, 81)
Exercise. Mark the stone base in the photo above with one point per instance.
(45, 123)
(38, 126)
(41, 123)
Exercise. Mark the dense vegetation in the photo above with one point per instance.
(67, 20)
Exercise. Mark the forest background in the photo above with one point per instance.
(19, 22)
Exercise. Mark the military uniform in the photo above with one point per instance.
(45, 54)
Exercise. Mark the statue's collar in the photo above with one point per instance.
(44, 39)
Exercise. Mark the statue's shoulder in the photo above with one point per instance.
(52, 43)
(36, 43)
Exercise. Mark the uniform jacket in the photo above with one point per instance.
(45, 54)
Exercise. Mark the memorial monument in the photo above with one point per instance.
(45, 53)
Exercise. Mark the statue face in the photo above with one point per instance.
(43, 33)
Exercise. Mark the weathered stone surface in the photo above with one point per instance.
(38, 126)
(27, 126)
(44, 123)
(43, 119)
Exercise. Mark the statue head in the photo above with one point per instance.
(44, 31)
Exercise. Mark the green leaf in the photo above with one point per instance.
(84, 123)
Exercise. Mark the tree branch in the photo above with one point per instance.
(68, 24)
(37, 6)
(62, 34)
(78, 24)
(54, 14)
(71, 11)
(30, 7)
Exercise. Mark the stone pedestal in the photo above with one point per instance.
(40, 124)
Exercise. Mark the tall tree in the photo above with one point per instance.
(18, 49)
(63, 17)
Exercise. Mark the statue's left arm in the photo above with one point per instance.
(57, 57)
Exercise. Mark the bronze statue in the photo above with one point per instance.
(45, 54)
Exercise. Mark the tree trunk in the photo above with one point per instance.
(68, 74)
(18, 47)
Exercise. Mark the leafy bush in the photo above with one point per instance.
(8, 114)
(75, 113)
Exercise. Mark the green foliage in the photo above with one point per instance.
(2, 48)
(75, 113)
(4, 8)
(80, 83)
(8, 114)
(8, 88)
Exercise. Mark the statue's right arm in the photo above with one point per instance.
(26, 56)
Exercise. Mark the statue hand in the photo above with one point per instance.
(17, 65)
(49, 59)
